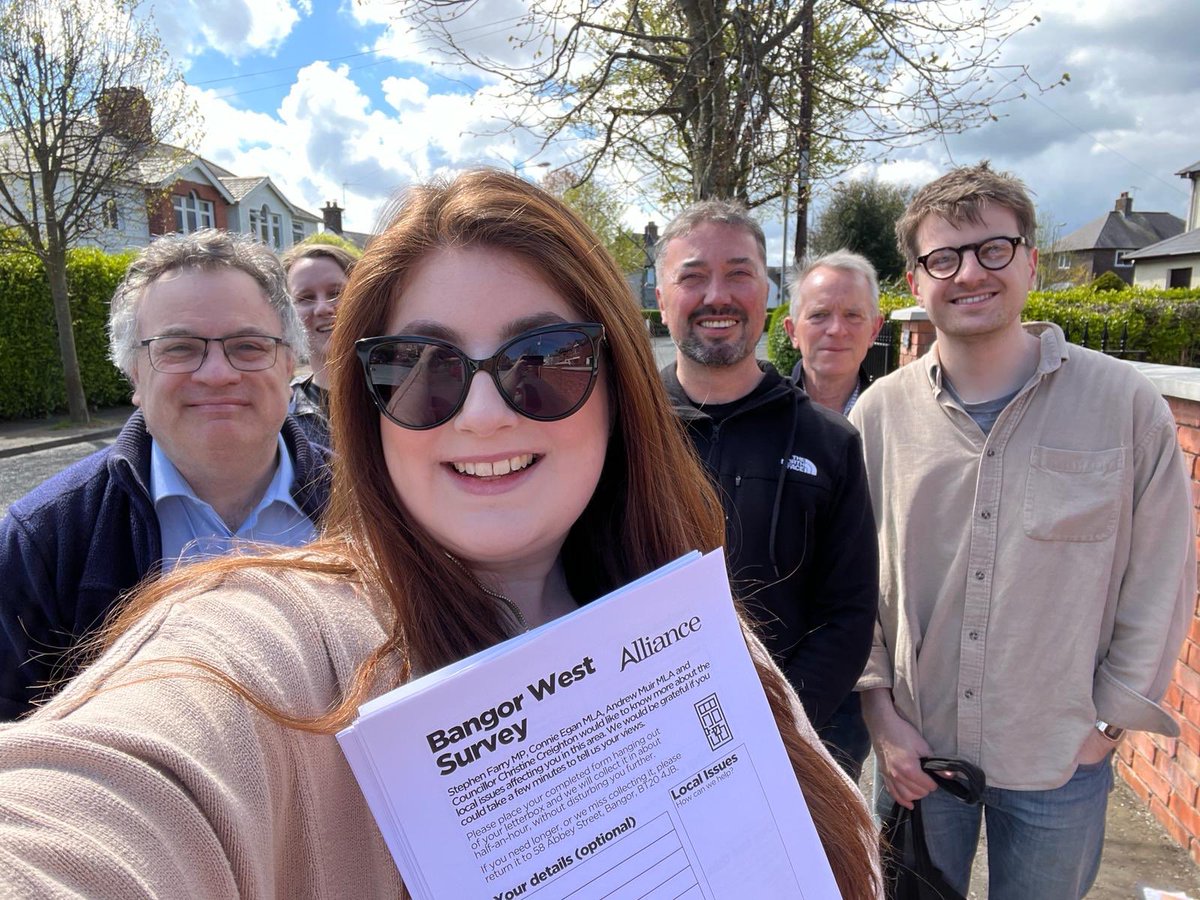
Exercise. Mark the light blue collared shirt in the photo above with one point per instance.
(191, 528)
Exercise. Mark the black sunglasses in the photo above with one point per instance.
(422, 382)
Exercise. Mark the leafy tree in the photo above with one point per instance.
(861, 216)
(602, 209)
(333, 240)
(1049, 233)
(740, 98)
(86, 95)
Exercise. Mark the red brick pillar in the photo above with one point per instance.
(1165, 772)
(916, 333)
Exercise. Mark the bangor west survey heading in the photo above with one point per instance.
(625, 750)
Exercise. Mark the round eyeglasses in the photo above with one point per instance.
(420, 382)
(179, 354)
(993, 254)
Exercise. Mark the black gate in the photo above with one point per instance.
(881, 355)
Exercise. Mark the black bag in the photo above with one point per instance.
(908, 872)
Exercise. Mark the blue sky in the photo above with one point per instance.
(336, 100)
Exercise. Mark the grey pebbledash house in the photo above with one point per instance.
(1105, 244)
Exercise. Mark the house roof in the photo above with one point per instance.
(1186, 244)
(240, 187)
(1115, 231)
(162, 164)
(359, 239)
(1187, 171)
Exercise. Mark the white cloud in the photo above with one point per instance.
(234, 28)
(1122, 122)
(327, 141)
(404, 93)
(481, 29)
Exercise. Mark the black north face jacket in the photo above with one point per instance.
(800, 534)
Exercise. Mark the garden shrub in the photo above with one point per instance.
(655, 323)
(30, 365)
(780, 352)
(1108, 281)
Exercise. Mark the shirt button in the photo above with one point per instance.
(979, 575)
(974, 635)
(985, 514)
(968, 693)
(991, 453)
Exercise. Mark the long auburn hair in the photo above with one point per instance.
(652, 504)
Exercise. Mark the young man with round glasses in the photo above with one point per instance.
(799, 534)
(1038, 562)
(203, 326)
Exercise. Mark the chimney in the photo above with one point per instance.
(125, 112)
(333, 217)
(1124, 203)
(650, 242)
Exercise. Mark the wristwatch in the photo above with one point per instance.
(1112, 732)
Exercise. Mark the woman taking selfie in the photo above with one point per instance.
(196, 757)
(316, 276)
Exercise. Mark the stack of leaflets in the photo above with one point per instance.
(625, 751)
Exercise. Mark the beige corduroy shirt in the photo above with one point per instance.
(1035, 579)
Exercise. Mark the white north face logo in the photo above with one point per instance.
(800, 464)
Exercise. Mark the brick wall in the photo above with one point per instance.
(162, 212)
(916, 333)
(1165, 772)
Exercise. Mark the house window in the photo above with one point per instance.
(192, 213)
(297, 231)
(1179, 278)
(1064, 260)
(1119, 260)
(110, 214)
(267, 226)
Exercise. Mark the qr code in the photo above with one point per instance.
(712, 720)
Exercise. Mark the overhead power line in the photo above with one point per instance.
(292, 68)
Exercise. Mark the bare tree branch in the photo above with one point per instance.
(86, 91)
(711, 90)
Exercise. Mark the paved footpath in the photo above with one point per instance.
(1138, 853)
(1139, 858)
(57, 431)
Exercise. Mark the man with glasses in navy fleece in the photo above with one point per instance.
(204, 328)
(1037, 546)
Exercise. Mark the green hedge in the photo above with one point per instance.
(780, 352)
(1160, 326)
(653, 318)
(1157, 325)
(31, 369)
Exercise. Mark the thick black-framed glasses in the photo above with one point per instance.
(993, 254)
(179, 354)
(421, 382)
